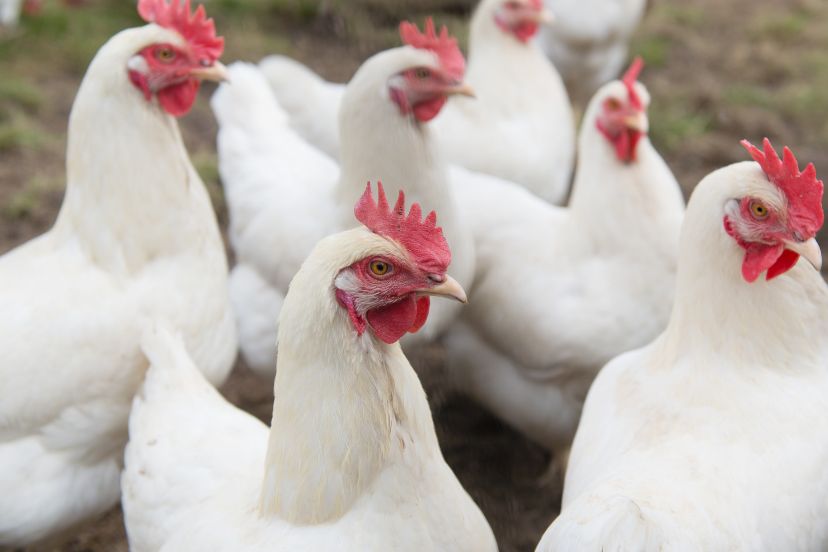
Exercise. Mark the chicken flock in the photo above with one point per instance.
(673, 361)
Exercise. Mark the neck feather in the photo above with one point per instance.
(496, 57)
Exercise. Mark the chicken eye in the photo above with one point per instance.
(379, 267)
(613, 104)
(758, 210)
(165, 54)
(422, 73)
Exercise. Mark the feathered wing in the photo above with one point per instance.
(615, 523)
(590, 40)
(279, 192)
(58, 432)
(186, 443)
(311, 102)
(257, 305)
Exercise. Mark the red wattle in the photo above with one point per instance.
(759, 257)
(427, 110)
(626, 145)
(391, 322)
(525, 31)
(423, 305)
(178, 99)
(785, 262)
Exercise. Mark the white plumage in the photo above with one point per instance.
(10, 12)
(136, 238)
(589, 40)
(279, 192)
(520, 127)
(559, 292)
(352, 461)
(283, 194)
(712, 436)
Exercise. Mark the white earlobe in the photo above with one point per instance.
(139, 64)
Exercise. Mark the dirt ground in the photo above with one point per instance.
(718, 72)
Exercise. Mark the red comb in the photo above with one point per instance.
(444, 45)
(802, 189)
(422, 238)
(196, 28)
(629, 79)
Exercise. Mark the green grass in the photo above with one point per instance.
(781, 28)
(25, 201)
(742, 94)
(18, 134)
(655, 49)
(676, 123)
(685, 15)
(19, 92)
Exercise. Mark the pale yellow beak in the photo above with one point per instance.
(448, 288)
(461, 89)
(217, 72)
(638, 122)
(808, 250)
(543, 17)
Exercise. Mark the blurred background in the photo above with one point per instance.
(718, 71)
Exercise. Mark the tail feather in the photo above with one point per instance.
(185, 442)
(614, 524)
(170, 364)
(311, 102)
(246, 100)
(290, 81)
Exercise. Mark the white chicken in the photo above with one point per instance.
(520, 128)
(559, 292)
(589, 40)
(352, 461)
(712, 437)
(136, 238)
(283, 194)
(10, 12)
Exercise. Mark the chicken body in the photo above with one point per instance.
(589, 41)
(712, 436)
(520, 127)
(363, 471)
(558, 292)
(283, 194)
(136, 238)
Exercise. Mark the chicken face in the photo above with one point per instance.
(390, 294)
(777, 222)
(388, 289)
(423, 91)
(622, 118)
(172, 72)
(521, 18)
